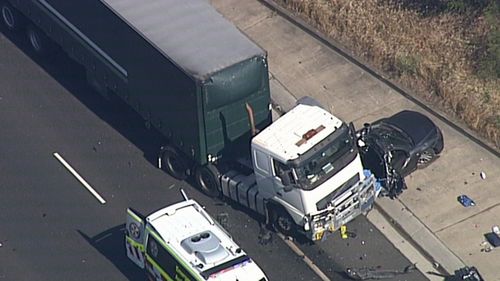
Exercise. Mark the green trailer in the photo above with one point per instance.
(183, 67)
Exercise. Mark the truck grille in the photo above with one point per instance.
(323, 203)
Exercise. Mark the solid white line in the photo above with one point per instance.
(79, 178)
(305, 258)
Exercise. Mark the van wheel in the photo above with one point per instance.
(39, 41)
(12, 19)
(283, 222)
(173, 163)
(207, 180)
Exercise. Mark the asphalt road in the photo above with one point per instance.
(52, 228)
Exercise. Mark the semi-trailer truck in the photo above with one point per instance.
(204, 85)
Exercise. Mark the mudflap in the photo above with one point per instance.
(134, 237)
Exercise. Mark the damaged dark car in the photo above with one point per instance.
(394, 147)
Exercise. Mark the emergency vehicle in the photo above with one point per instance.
(183, 242)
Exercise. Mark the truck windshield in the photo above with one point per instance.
(331, 158)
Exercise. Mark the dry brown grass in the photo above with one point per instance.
(435, 56)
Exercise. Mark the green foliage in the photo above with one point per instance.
(462, 6)
(490, 63)
(407, 64)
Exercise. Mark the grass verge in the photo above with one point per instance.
(446, 51)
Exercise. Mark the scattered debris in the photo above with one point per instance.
(419, 189)
(486, 247)
(223, 218)
(436, 265)
(493, 237)
(482, 175)
(468, 274)
(343, 232)
(495, 229)
(367, 273)
(265, 236)
(466, 201)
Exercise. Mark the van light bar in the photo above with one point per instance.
(309, 134)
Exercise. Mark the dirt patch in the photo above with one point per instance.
(435, 54)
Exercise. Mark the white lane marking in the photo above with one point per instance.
(79, 178)
(305, 258)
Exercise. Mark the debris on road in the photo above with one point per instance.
(265, 236)
(482, 175)
(436, 265)
(466, 201)
(468, 274)
(372, 273)
(485, 247)
(493, 239)
(223, 218)
(343, 232)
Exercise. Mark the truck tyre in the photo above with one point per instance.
(12, 19)
(283, 222)
(39, 41)
(207, 179)
(173, 163)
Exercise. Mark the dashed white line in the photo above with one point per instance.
(79, 178)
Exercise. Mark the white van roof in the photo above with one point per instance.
(200, 241)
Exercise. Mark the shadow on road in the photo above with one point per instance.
(115, 112)
(111, 244)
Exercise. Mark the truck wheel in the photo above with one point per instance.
(173, 163)
(11, 17)
(207, 180)
(39, 41)
(283, 222)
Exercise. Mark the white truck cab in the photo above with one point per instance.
(307, 174)
(183, 242)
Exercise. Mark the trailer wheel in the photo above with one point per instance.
(39, 41)
(207, 180)
(11, 17)
(174, 164)
(283, 222)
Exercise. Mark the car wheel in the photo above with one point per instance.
(426, 158)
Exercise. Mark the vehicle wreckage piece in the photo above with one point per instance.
(394, 147)
(371, 273)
